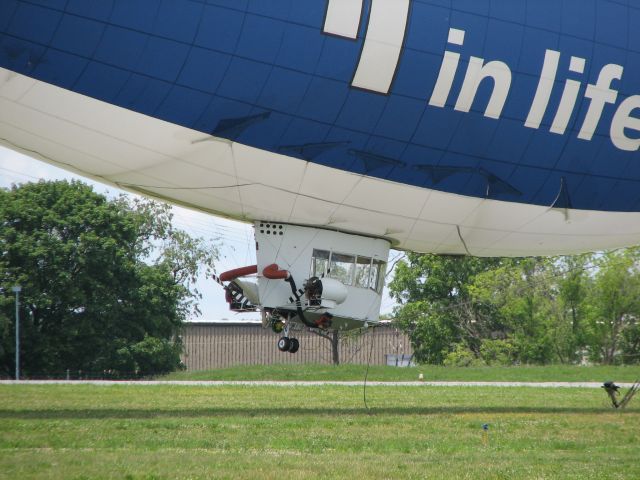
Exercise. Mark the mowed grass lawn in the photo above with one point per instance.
(550, 373)
(248, 432)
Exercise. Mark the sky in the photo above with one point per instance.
(235, 238)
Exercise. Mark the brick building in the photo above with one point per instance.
(224, 344)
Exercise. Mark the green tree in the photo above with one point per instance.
(615, 308)
(521, 295)
(103, 281)
(572, 284)
(463, 310)
(630, 343)
(436, 309)
(432, 332)
(500, 310)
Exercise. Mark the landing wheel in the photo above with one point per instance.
(294, 344)
(284, 344)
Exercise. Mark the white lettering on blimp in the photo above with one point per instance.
(599, 94)
(383, 45)
(477, 71)
(543, 92)
(343, 18)
(569, 97)
(448, 70)
(622, 120)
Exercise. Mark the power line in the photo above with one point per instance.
(21, 174)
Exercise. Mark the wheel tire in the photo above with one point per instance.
(283, 344)
(294, 345)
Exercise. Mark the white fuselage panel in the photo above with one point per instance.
(350, 259)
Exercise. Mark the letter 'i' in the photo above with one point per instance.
(447, 70)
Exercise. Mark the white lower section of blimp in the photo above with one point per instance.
(190, 168)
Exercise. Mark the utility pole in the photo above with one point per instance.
(17, 289)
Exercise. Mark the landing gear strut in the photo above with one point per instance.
(286, 344)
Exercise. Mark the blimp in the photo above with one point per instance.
(342, 128)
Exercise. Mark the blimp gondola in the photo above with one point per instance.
(342, 128)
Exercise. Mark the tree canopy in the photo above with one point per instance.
(106, 284)
(466, 310)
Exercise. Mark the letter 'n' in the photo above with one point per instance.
(476, 73)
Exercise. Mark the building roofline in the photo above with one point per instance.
(224, 323)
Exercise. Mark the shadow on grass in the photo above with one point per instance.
(67, 414)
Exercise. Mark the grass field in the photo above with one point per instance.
(552, 373)
(156, 432)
